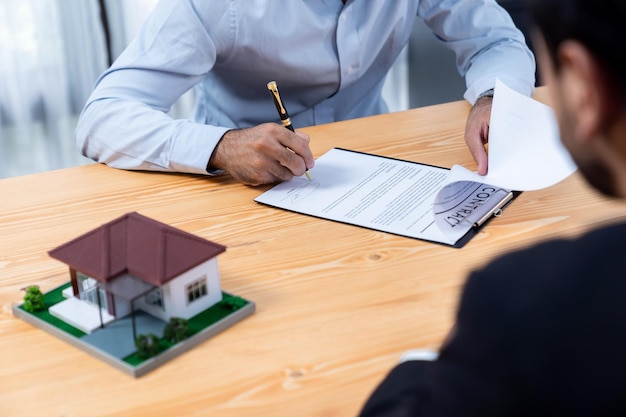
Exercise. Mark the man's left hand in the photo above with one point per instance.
(477, 132)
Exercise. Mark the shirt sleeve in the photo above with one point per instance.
(486, 43)
(125, 122)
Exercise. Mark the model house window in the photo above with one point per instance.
(196, 289)
(155, 298)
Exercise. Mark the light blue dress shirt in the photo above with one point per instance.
(329, 60)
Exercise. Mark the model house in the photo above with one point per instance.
(136, 263)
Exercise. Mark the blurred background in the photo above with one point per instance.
(52, 51)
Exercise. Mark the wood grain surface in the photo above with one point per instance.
(336, 304)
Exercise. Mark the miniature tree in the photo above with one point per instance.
(33, 299)
(147, 345)
(176, 330)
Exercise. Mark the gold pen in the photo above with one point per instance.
(282, 112)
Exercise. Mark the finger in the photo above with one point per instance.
(308, 155)
(272, 168)
(481, 161)
(298, 142)
(477, 134)
(475, 143)
(281, 173)
(254, 169)
(292, 161)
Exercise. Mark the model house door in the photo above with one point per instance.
(88, 291)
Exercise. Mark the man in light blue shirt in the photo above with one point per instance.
(329, 57)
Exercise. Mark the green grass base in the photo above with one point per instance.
(199, 322)
(51, 298)
(199, 325)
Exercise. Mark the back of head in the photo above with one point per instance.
(600, 25)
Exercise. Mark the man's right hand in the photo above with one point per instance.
(263, 154)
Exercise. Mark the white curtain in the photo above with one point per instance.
(48, 59)
(43, 45)
(51, 52)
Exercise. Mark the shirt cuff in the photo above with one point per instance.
(193, 146)
(419, 355)
(486, 93)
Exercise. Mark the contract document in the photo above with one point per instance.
(431, 203)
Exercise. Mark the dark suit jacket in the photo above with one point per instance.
(539, 332)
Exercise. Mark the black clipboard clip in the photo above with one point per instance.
(496, 211)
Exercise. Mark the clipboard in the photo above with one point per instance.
(390, 195)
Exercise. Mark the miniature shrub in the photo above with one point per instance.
(234, 302)
(147, 345)
(176, 330)
(33, 299)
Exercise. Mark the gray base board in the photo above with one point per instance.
(149, 364)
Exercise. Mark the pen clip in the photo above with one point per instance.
(282, 111)
(273, 87)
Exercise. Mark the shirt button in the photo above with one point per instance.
(350, 69)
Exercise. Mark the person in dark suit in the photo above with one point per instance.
(542, 331)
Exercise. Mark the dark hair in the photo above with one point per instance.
(600, 25)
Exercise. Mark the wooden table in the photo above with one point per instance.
(336, 304)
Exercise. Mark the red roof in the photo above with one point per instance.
(145, 248)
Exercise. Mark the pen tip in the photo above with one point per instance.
(271, 85)
(308, 175)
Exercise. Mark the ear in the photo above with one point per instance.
(584, 89)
